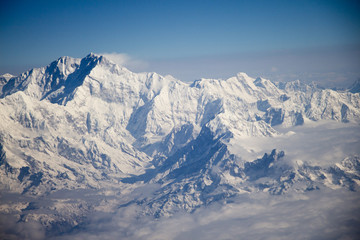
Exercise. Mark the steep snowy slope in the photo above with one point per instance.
(4, 79)
(91, 111)
(91, 124)
(355, 87)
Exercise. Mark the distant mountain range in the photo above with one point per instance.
(90, 124)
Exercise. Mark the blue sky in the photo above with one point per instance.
(281, 40)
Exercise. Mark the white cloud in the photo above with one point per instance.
(320, 143)
(319, 214)
(127, 61)
(11, 228)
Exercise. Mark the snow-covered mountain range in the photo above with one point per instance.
(89, 124)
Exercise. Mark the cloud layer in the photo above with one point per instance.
(315, 215)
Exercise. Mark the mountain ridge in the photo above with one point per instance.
(91, 124)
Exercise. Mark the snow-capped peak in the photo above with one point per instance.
(246, 79)
(7, 76)
(242, 75)
(355, 87)
(59, 79)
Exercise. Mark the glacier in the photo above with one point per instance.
(83, 136)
